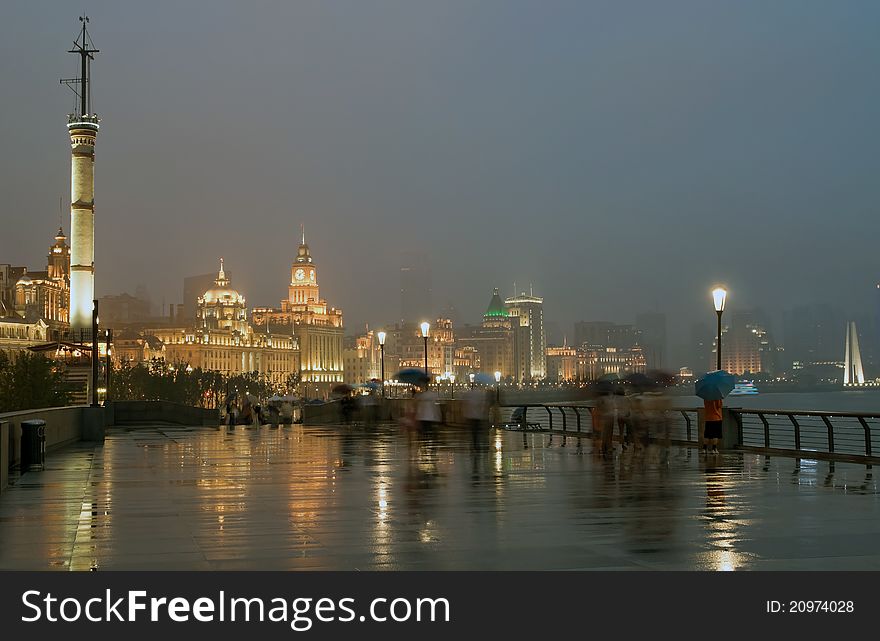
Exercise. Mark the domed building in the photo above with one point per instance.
(221, 307)
(222, 340)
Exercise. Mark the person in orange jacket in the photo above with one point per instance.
(712, 425)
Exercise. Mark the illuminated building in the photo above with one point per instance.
(17, 334)
(529, 343)
(562, 364)
(9, 275)
(193, 287)
(490, 344)
(362, 359)
(406, 346)
(306, 316)
(44, 294)
(745, 345)
(132, 348)
(82, 126)
(596, 361)
(466, 361)
(222, 340)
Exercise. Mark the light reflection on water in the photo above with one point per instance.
(349, 497)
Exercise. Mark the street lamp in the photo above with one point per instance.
(426, 327)
(471, 376)
(382, 336)
(719, 297)
(498, 388)
(452, 383)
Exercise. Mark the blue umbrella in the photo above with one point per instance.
(482, 378)
(412, 375)
(715, 385)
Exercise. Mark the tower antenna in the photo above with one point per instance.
(82, 86)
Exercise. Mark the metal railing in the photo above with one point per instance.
(577, 420)
(839, 435)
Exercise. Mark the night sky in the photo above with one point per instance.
(620, 156)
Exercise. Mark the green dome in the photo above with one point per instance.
(496, 307)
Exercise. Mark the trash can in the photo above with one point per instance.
(33, 444)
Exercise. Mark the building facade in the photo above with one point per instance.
(317, 327)
(222, 340)
(489, 346)
(746, 347)
(40, 295)
(526, 313)
(562, 364)
(17, 334)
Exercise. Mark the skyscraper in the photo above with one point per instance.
(415, 288)
(82, 125)
(526, 313)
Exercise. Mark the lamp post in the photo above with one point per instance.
(719, 298)
(426, 327)
(109, 335)
(452, 383)
(471, 377)
(95, 356)
(498, 388)
(381, 336)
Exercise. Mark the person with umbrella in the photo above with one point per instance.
(712, 388)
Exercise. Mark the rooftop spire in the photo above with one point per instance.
(221, 275)
(302, 228)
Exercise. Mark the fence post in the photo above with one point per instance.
(797, 432)
(766, 429)
(730, 436)
(830, 427)
(867, 435)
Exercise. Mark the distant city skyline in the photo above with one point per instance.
(622, 165)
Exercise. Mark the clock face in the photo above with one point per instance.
(312, 275)
(299, 274)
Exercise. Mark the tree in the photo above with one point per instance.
(31, 381)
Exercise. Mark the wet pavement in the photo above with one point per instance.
(352, 498)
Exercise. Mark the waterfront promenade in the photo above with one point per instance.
(350, 498)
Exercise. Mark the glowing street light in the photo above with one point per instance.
(498, 388)
(382, 336)
(426, 328)
(719, 298)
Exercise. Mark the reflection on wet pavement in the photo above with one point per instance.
(346, 498)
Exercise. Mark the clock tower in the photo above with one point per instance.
(303, 289)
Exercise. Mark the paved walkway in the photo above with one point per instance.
(347, 498)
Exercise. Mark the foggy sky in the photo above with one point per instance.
(620, 156)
